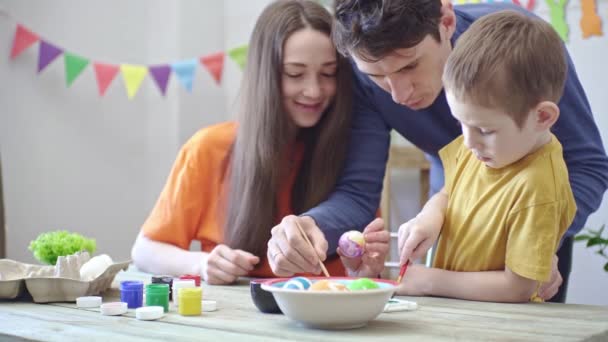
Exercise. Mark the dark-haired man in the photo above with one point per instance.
(399, 48)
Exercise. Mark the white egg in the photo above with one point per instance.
(95, 267)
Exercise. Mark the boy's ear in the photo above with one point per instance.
(448, 18)
(547, 114)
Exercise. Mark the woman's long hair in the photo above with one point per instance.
(259, 156)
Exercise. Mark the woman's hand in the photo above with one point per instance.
(371, 263)
(225, 265)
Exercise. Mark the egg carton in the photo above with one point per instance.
(60, 283)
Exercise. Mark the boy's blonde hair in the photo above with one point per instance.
(507, 60)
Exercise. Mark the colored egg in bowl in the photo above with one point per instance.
(331, 303)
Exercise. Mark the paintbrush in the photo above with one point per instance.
(402, 272)
(313, 248)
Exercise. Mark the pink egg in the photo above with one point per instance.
(352, 244)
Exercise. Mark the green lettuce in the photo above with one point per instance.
(49, 246)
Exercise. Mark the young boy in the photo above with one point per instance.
(507, 199)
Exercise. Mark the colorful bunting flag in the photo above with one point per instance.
(105, 74)
(591, 23)
(160, 74)
(133, 75)
(23, 39)
(558, 17)
(529, 6)
(215, 65)
(47, 53)
(74, 65)
(185, 72)
(239, 55)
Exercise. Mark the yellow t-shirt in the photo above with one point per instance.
(514, 216)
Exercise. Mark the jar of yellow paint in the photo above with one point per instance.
(190, 301)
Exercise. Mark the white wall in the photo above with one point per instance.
(74, 161)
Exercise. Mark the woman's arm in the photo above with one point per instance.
(490, 286)
(163, 258)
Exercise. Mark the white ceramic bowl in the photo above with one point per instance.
(331, 310)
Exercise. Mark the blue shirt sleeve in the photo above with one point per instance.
(583, 150)
(355, 200)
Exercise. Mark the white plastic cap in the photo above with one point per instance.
(395, 304)
(209, 305)
(113, 308)
(88, 302)
(149, 313)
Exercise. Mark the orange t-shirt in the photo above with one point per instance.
(187, 208)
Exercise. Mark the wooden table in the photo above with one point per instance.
(237, 318)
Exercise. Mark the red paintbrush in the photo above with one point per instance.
(402, 272)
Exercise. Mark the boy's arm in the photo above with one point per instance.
(490, 286)
(420, 233)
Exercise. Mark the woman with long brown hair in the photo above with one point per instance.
(234, 181)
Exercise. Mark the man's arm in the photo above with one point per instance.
(583, 150)
(355, 200)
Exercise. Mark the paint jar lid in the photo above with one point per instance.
(113, 308)
(196, 278)
(180, 284)
(209, 305)
(149, 313)
(88, 302)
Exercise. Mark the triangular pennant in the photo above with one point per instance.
(160, 74)
(133, 75)
(591, 22)
(529, 6)
(74, 65)
(557, 16)
(185, 72)
(239, 55)
(48, 53)
(215, 65)
(23, 39)
(105, 74)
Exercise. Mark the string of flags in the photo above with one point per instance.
(133, 75)
(590, 22)
(184, 70)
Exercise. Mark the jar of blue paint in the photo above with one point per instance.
(132, 293)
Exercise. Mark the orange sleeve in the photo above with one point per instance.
(186, 209)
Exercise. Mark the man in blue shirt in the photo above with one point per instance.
(398, 49)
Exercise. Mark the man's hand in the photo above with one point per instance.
(371, 263)
(289, 253)
(225, 265)
(549, 289)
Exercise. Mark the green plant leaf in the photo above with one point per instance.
(606, 267)
(594, 241)
(582, 237)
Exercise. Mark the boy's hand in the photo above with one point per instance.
(225, 265)
(371, 263)
(549, 289)
(416, 236)
(415, 281)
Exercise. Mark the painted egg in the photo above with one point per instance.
(352, 244)
(362, 284)
(298, 283)
(326, 285)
